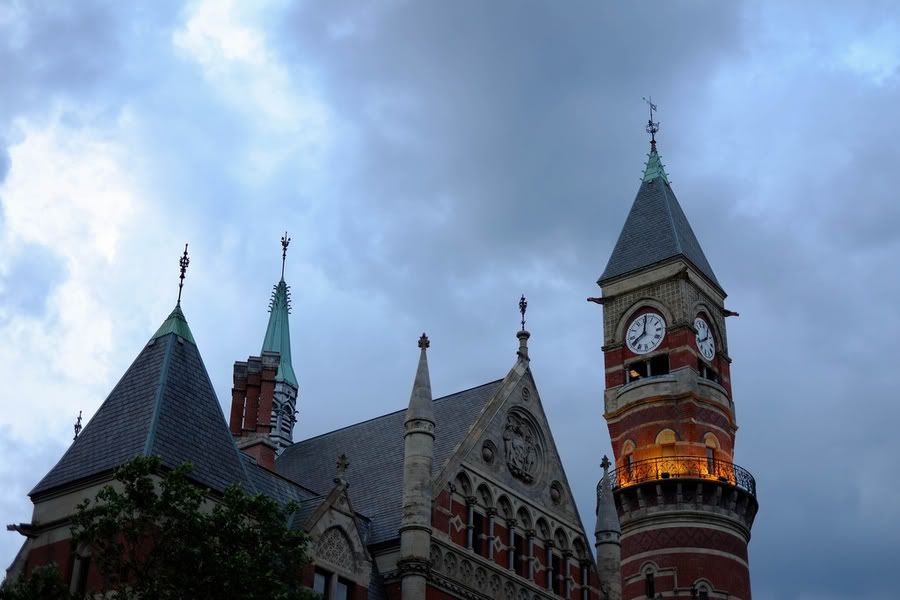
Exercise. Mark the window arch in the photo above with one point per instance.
(463, 485)
(711, 443)
(665, 439)
(628, 457)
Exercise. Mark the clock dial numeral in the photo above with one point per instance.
(645, 333)
(705, 342)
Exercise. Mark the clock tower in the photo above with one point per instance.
(684, 507)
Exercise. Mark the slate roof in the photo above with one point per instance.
(656, 230)
(163, 405)
(375, 451)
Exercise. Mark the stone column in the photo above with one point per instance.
(511, 539)
(491, 513)
(470, 521)
(548, 545)
(567, 578)
(530, 534)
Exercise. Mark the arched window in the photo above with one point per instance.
(649, 583)
(712, 445)
(665, 439)
(628, 457)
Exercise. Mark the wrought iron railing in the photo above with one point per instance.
(683, 467)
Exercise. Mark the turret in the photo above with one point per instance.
(606, 534)
(415, 526)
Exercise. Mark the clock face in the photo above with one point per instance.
(705, 342)
(645, 333)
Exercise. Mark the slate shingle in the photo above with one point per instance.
(375, 451)
(656, 230)
(164, 405)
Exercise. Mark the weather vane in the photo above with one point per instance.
(652, 126)
(285, 242)
(183, 263)
(523, 305)
(77, 426)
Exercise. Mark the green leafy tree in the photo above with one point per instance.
(44, 583)
(157, 535)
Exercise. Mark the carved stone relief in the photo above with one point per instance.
(522, 448)
(334, 547)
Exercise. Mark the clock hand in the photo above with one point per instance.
(645, 325)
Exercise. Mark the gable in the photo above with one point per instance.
(510, 453)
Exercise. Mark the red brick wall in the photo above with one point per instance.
(726, 569)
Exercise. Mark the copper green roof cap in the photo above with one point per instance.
(654, 168)
(177, 324)
(278, 333)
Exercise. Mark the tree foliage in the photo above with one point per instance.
(157, 535)
(44, 583)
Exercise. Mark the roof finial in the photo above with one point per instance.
(183, 263)
(285, 241)
(652, 126)
(77, 426)
(523, 306)
(342, 465)
(604, 464)
(423, 341)
(522, 334)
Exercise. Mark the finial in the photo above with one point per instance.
(605, 465)
(423, 341)
(523, 305)
(184, 262)
(652, 126)
(285, 242)
(77, 426)
(343, 464)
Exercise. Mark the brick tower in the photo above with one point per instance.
(684, 507)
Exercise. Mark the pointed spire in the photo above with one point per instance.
(183, 263)
(278, 331)
(523, 334)
(77, 426)
(607, 518)
(420, 398)
(654, 169)
(285, 242)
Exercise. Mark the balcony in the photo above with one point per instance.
(683, 467)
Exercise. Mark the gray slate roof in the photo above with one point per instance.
(656, 230)
(164, 405)
(375, 451)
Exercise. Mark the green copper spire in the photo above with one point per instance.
(177, 324)
(654, 167)
(278, 333)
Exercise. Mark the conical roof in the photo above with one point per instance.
(278, 333)
(656, 229)
(164, 405)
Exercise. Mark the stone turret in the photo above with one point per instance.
(607, 534)
(415, 527)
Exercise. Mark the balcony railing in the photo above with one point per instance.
(683, 467)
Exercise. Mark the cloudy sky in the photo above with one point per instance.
(434, 160)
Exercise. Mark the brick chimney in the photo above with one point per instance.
(252, 398)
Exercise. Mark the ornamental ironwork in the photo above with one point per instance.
(682, 467)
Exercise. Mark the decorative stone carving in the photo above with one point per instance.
(509, 591)
(465, 570)
(522, 447)
(480, 578)
(556, 492)
(334, 547)
(494, 585)
(488, 452)
(450, 564)
(526, 393)
(436, 557)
